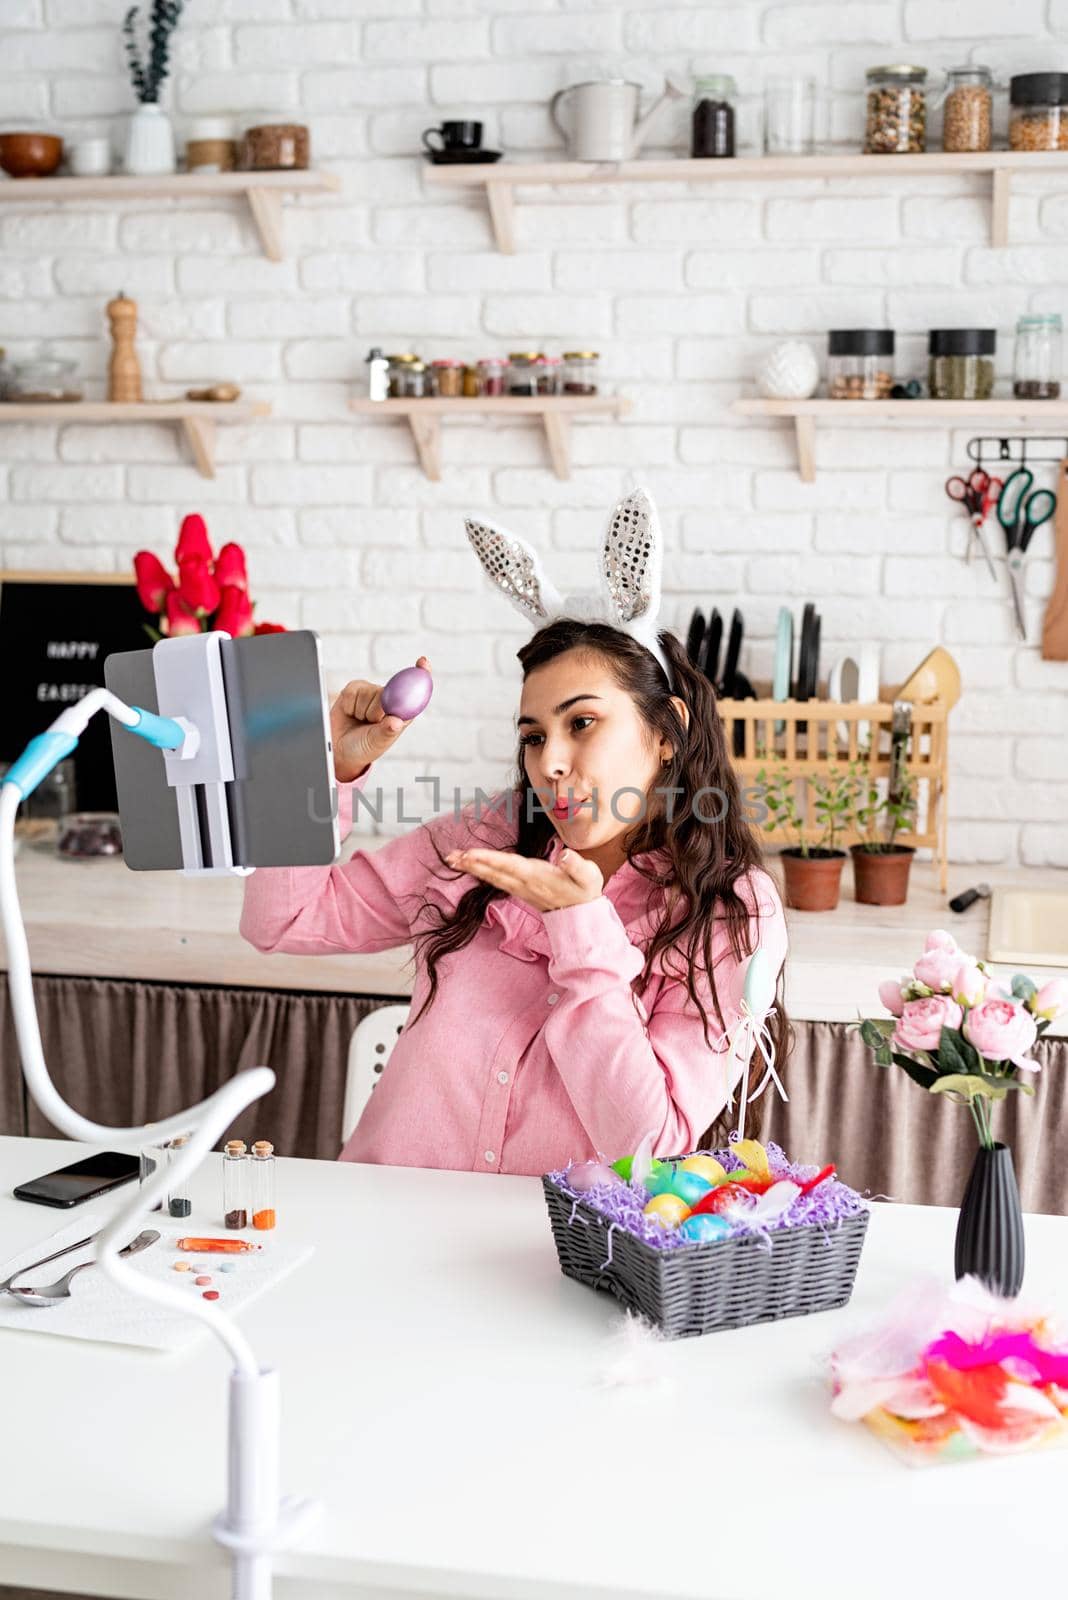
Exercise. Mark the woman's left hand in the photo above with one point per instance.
(540, 884)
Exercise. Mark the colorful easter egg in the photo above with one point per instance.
(407, 693)
(689, 1186)
(754, 1156)
(668, 1209)
(719, 1198)
(704, 1229)
(584, 1175)
(661, 1178)
(706, 1167)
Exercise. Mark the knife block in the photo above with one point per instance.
(810, 737)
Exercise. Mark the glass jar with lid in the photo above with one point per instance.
(1038, 111)
(43, 377)
(1036, 371)
(967, 109)
(448, 375)
(897, 111)
(860, 363)
(491, 370)
(399, 370)
(960, 363)
(548, 374)
(580, 371)
(523, 372)
(712, 123)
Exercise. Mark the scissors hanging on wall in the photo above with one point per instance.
(1020, 511)
(978, 493)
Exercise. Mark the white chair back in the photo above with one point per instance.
(369, 1051)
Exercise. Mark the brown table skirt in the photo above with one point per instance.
(130, 1052)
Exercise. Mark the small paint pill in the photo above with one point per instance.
(227, 1266)
(202, 1281)
(182, 1266)
(211, 1294)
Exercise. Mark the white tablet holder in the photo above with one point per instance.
(192, 731)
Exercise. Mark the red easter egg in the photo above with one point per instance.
(718, 1199)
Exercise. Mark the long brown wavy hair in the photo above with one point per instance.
(705, 859)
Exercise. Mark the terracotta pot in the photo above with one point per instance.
(813, 882)
(881, 877)
(30, 155)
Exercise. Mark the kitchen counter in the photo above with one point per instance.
(98, 919)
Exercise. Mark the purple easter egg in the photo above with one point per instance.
(407, 693)
(590, 1175)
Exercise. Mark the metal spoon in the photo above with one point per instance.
(60, 1290)
(30, 1266)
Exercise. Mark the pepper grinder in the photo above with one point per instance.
(124, 372)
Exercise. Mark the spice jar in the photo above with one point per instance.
(416, 380)
(1036, 372)
(712, 125)
(580, 371)
(966, 113)
(523, 372)
(448, 377)
(897, 111)
(275, 147)
(472, 386)
(1038, 111)
(399, 374)
(860, 363)
(547, 374)
(960, 363)
(491, 371)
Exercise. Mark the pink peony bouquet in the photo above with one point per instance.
(959, 1032)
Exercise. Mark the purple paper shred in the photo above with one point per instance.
(825, 1207)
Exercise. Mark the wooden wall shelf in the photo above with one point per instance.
(501, 180)
(263, 192)
(196, 418)
(556, 413)
(806, 414)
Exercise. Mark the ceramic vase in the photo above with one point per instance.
(990, 1236)
(149, 141)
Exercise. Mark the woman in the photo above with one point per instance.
(580, 939)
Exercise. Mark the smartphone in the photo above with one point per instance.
(82, 1180)
(282, 802)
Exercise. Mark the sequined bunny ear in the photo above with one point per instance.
(516, 569)
(632, 557)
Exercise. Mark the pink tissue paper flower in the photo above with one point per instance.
(921, 1022)
(1002, 1031)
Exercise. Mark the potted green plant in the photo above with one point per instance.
(812, 870)
(880, 864)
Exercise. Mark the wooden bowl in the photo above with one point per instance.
(30, 155)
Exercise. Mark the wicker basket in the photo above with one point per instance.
(704, 1287)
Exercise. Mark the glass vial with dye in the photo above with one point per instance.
(262, 1183)
(236, 1198)
(178, 1202)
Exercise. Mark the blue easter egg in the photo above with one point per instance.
(689, 1186)
(704, 1228)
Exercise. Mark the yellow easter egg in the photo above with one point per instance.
(668, 1209)
(706, 1167)
(754, 1155)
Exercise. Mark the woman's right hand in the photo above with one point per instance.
(360, 731)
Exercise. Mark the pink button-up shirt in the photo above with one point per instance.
(535, 1051)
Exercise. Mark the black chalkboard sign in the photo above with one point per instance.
(55, 633)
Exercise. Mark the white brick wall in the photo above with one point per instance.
(681, 290)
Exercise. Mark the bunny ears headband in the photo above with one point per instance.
(627, 595)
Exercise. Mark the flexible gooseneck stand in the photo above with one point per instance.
(197, 749)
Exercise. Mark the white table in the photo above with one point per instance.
(437, 1371)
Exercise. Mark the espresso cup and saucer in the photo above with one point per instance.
(461, 144)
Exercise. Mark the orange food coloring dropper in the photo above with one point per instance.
(221, 1246)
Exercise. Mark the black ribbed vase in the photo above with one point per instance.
(990, 1236)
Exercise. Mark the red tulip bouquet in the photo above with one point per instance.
(210, 592)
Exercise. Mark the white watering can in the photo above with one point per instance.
(603, 122)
